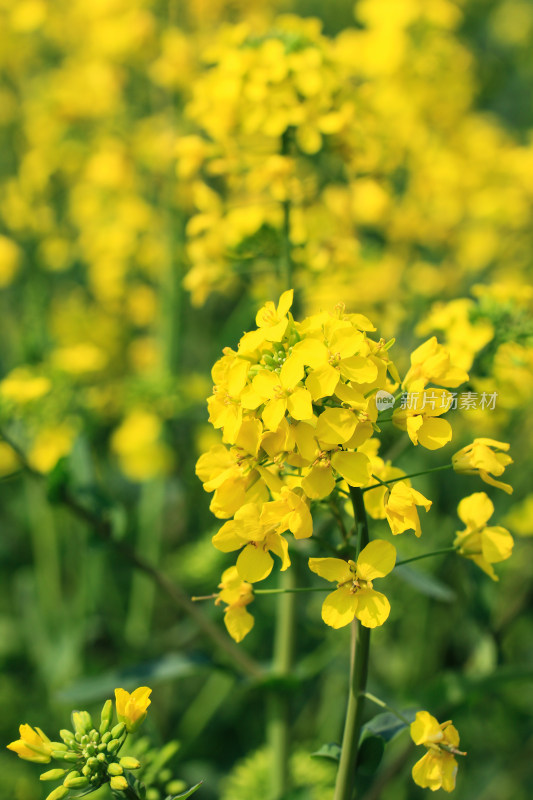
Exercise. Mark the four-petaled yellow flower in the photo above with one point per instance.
(400, 508)
(421, 417)
(258, 535)
(272, 321)
(437, 769)
(355, 595)
(33, 745)
(484, 545)
(237, 594)
(431, 363)
(131, 708)
(484, 457)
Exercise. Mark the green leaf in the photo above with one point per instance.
(185, 794)
(426, 584)
(386, 725)
(370, 754)
(331, 751)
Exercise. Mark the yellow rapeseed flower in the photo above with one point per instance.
(486, 458)
(400, 508)
(355, 596)
(484, 545)
(33, 745)
(237, 594)
(132, 708)
(437, 769)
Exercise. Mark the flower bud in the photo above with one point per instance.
(59, 746)
(67, 736)
(118, 730)
(115, 769)
(60, 755)
(52, 774)
(113, 745)
(76, 783)
(82, 722)
(118, 782)
(58, 793)
(128, 762)
(106, 716)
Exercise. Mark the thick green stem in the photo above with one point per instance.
(360, 646)
(278, 710)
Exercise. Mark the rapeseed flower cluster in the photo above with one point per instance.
(295, 404)
(89, 755)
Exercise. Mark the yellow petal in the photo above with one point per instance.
(229, 537)
(355, 468)
(285, 302)
(319, 482)
(426, 772)
(237, 377)
(335, 425)
(249, 435)
(492, 482)
(299, 404)
(412, 425)
(346, 342)
(311, 352)
(291, 372)
(279, 545)
(449, 772)
(425, 728)
(475, 509)
(306, 441)
(332, 569)
(238, 622)
(358, 369)
(372, 608)
(338, 608)
(266, 383)
(376, 560)
(322, 381)
(273, 413)
(434, 433)
(254, 563)
(497, 544)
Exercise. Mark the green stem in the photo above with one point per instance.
(406, 477)
(286, 256)
(278, 708)
(381, 704)
(360, 647)
(427, 555)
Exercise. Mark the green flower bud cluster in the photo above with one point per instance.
(90, 755)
